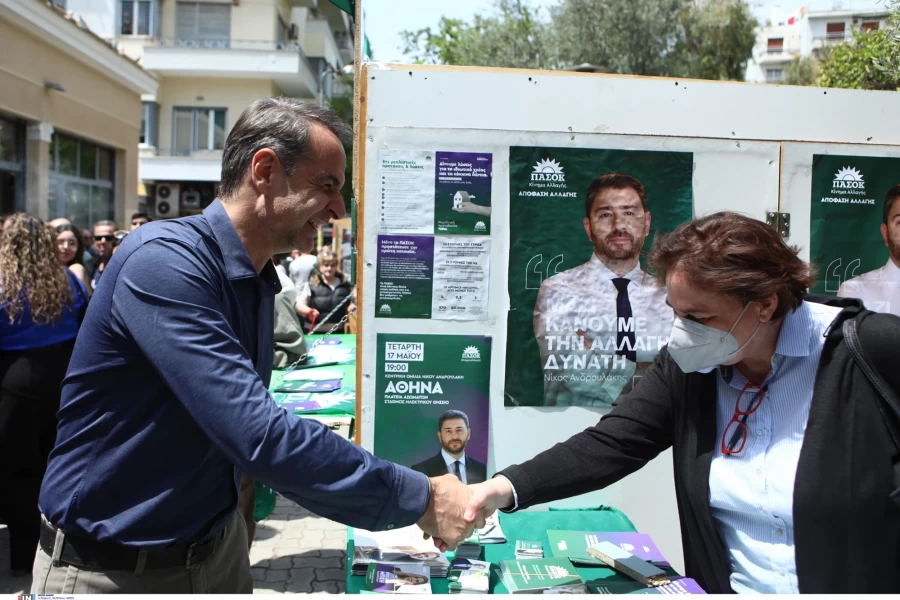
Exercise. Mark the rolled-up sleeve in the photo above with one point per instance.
(175, 316)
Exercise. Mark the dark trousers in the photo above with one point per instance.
(29, 400)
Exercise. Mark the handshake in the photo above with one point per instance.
(455, 509)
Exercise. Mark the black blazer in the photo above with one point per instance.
(476, 472)
(847, 489)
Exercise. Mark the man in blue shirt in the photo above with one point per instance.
(165, 402)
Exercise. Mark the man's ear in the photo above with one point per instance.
(263, 167)
(884, 234)
(647, 224)
(587, 229)
(439, 436)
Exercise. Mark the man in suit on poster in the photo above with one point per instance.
(454, 434)
(599, 325)
(880, 289)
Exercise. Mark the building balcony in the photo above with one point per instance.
(785, 54)
(832, 39)
(179, 164)
(282, 62)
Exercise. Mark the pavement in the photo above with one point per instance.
(294, 551)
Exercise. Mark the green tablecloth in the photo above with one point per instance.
(527, 525)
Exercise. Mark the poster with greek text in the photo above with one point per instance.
(432, 403)
(443, 192)
(424, 277)
(855, 229)
(586, 318)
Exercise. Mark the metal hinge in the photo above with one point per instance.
(781, 222)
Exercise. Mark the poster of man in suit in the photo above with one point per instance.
(432, 403)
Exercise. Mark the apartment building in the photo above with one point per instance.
(212, 59)
(70, 110)
(805, 33)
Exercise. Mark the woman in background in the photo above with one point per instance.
(41, 302)
(71, 252)
(327, 290)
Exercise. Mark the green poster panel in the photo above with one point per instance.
(847, 246)
(419, 378)
(566, 342)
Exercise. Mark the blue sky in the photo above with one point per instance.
(385, 19)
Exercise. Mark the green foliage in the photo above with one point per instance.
(513, 37)
(801, 71)
(710, 39)
(870, 61)
(717, 40)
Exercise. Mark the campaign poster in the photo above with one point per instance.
(424, 277)
(432, 402)
(462, 193)
(442, 192)
(855, 229)
(586, 318)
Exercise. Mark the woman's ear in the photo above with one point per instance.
(768, 307)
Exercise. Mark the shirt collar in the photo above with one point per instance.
(797, 332)
(450, 460)
(604, 272)
(237, 261)
(891, 270)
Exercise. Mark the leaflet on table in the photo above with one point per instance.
(420, 378)
(679, 586)
(393, 579)
(339, 401)
(404, 546)
(540, 575)
(434, 192)
(574, 544)
(423, 277)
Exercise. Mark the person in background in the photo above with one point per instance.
(302, 267)
(785, 459)
(120, 236)
(104, 241)
(90, 252)
(71, 252)
(326, 290)
(40, 306)
(138, 219)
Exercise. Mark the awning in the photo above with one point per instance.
(348, 6)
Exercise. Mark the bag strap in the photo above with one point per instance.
(851, 337)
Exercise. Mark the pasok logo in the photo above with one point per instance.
(385, 309)
(471, 353)
(480, 226)
(549, 171)
(848, 178)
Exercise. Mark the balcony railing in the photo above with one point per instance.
(229, 44)
(831, 39)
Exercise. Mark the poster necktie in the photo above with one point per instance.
(624, 320)
(456, 472)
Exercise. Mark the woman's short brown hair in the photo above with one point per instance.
(735, 255)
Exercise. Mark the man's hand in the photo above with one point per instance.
(443, 519)
(471, 207)
(486, 498)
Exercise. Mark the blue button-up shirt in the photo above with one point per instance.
(166, 402)
(751, 493)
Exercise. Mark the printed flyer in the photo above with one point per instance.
(586, 319)
(431, 403)
(855, 229)
(424, 277)
(434, 192)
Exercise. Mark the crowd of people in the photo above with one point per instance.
(785, 457)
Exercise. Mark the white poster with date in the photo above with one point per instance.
(461, 276)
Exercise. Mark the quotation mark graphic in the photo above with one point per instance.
(534, 271)
(833, 278)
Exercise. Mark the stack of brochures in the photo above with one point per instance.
(528, 549)
(679, 585)
(400, 547)
(469, 576)
(491, 532)
(470, 547)
(541, 576)
(394, 579)
(574, 544)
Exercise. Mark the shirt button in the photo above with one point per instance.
(390, 526)
(763, 510)
(781, 571)
(779, 532)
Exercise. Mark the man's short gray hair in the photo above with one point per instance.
(282, 124)
(105, 223)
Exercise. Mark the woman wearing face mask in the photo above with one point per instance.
(785, 455)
